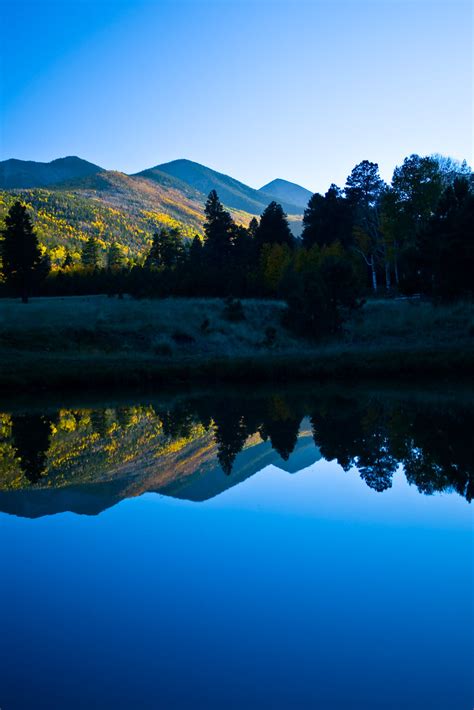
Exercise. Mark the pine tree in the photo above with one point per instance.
(195, 252)
(166, 250)
(274, 227)
(253, 226)
(91, 253)
(219, 230)
(327, 219)
(22, 263)
(115, 257)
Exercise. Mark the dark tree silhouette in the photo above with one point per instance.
(230, 433)
(167, 249)
(447, 244)
(31, 437)
(327, 220)
(253, 226)
(283, 434)
(219, 231)
(22, 264)
(273, 227)
(363, 190)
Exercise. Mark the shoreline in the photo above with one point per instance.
(23, 372)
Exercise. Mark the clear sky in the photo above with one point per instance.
(257, 89)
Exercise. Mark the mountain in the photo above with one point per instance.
(286, 191)
(231, 192)
(70, 199)
(28, 173)
(93, 459)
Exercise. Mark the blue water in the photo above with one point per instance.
(304, 590)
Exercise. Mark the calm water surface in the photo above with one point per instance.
(302, 549)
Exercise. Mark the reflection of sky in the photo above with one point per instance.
(326, 491)
(305, 590)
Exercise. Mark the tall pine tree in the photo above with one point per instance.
(273, 227)
(219, 231)
(22, 263)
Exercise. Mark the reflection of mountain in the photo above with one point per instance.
(207, 481)
(181, 468)
(197, 446)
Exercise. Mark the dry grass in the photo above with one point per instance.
(93, 341)
(410, 322)
(166, 327)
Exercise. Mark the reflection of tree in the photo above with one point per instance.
(434, 445)
(374, 434)
(230, 435)
(178, 422)
(281, 425)
(99, 422)
(440, 456)
(375, 460)
(337, 429)
(124, 416)
(31, 436)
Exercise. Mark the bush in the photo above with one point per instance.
(322, 297)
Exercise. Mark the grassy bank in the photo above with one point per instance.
(92, 341)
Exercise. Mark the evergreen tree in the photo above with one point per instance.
(22, 264)
(327, 219)
(274, 227)
(31, 436)
(253, 226)
(219, 231)
(91, 253)
(115, 257)
(166, 250)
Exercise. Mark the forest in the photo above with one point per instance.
(413, 237)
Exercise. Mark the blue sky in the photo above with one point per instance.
(257, 89)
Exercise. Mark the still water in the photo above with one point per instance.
(287, 548)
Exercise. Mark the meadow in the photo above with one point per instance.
(97, 340)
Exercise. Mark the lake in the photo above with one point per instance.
(285, 547)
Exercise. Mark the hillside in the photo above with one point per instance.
(285, 191)
(28, 173)
(111, 206)
(232, 192)
(70, 200)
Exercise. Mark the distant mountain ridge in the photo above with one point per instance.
(71, 199)
(23, 174)
(232, 192)
(286, 191)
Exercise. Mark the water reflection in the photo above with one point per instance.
(196, 446)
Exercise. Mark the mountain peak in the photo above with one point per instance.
(287, 191)
(232, 192)
(22, 174)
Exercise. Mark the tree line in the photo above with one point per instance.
(371, 433)
(412, 236)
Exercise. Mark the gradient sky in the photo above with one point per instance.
(257, 89)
